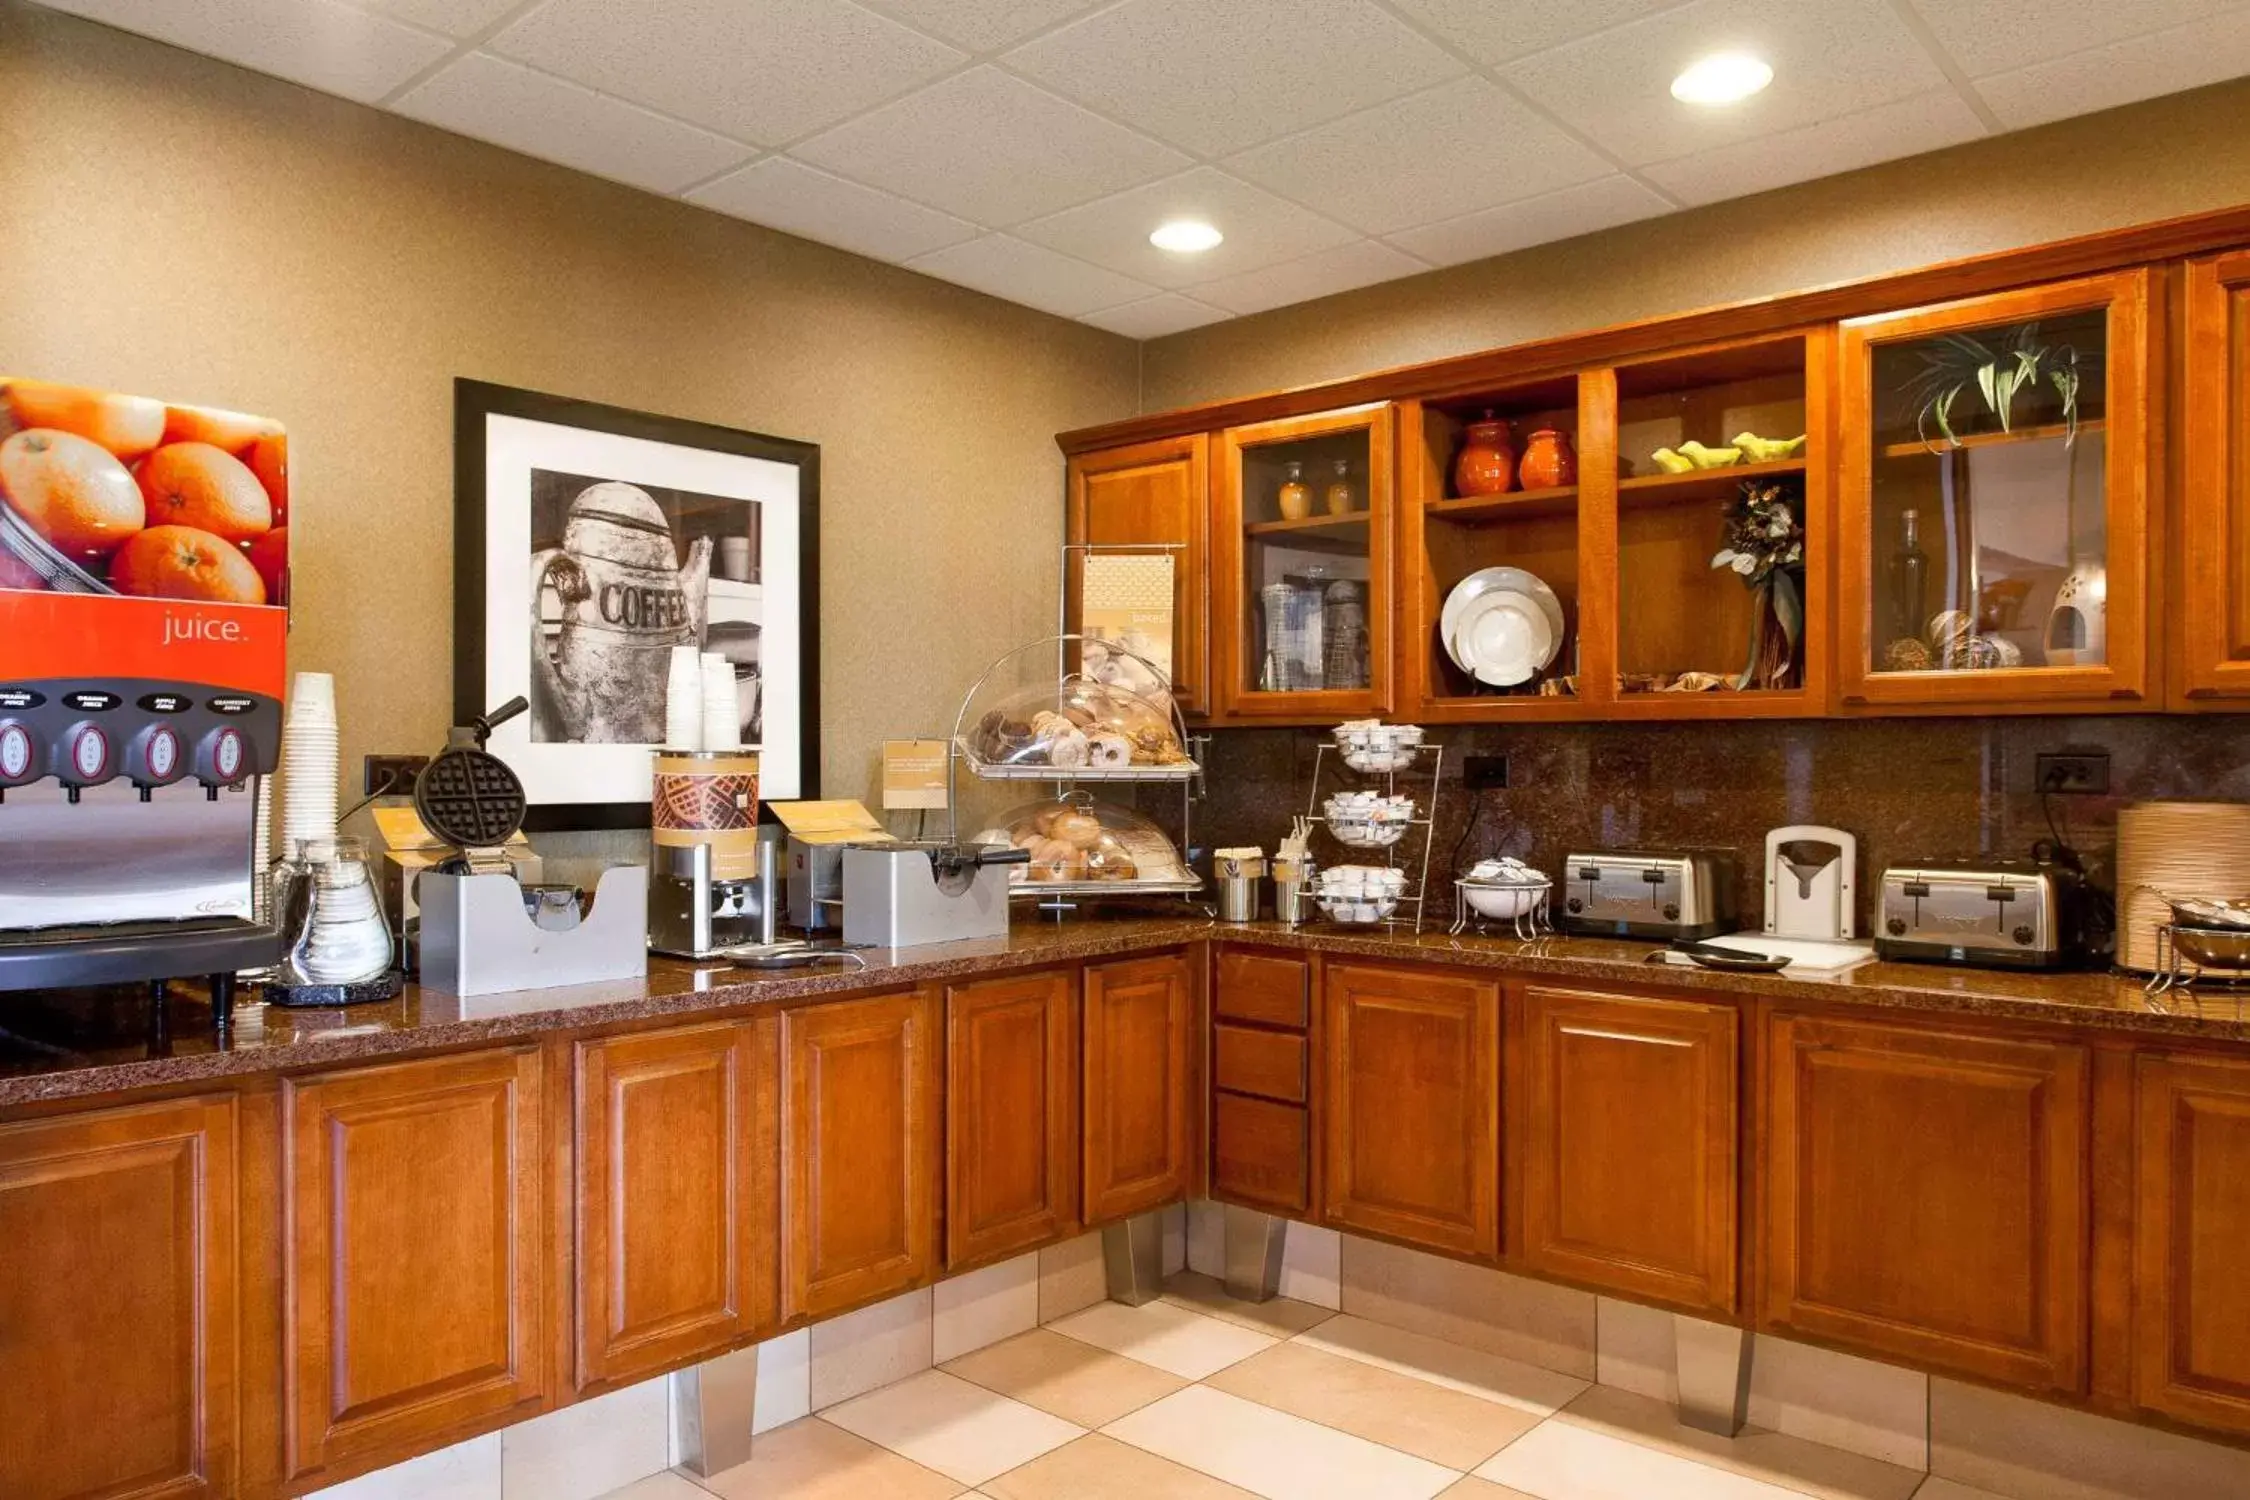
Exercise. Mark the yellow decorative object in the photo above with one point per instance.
(1710, 458)
(1671, 462)
(1768, 450)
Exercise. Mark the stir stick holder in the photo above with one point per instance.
(477, 939)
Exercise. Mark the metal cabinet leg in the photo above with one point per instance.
(1254, 1241)
(714, 1406)
(1133, 1259)
(1713, 1364)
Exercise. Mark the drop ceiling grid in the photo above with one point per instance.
(1338, 142)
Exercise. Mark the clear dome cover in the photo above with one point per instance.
(1076, 727)
(1077, 842)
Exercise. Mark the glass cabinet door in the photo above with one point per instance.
(1994, 499)
(2211, 650)
(1302, 562)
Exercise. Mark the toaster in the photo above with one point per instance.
(1648, 895)
(1984, 915)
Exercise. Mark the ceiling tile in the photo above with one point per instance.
(318, 43)
(801, 200)
(1551, 216)
(453, 17)
(990, 148)
(1438, 154)
(1030, 274)
(1260, 229)
(1154, 317)
(1884, 133)
(546, 117)
(983, 25)
(1216, 77)
(1994, 36)
(1829, 59)
(767, 73)
(1322, 274)
(2184, 57)
(1501, 33)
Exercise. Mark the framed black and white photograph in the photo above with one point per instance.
(591, 540)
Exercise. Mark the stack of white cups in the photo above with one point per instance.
(683, 700)
(308, 760)
(722, 714)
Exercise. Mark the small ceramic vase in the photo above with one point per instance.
(1294, 498)
(1548, 461)
(1486, 464)
(1342, 498)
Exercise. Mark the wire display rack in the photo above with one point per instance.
(1348, 779)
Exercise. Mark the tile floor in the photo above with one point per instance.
(1199, 1397)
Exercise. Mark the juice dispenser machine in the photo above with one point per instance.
(143, 634)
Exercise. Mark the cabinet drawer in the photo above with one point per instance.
(1268, 1063)
(1260, 1154)
(1265, 988)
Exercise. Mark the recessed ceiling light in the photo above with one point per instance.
(1184, 236)
(1721, 78)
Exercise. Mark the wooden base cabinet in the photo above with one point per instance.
(1011, 1114)
(2191, 1225)
(859, 1151)
(118, 1263)
(1139, 1074)
(1926, 1196)
(417, 1263)
(1411, 1134)
(1629, 1120)
(677, 1203)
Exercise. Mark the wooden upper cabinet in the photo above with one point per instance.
(1139, 1080)
(117, 1303)
(1629, 1156)
(1301, 566)
(1411, 1132)
(1999, 475)
(677, 1209)
(859, 1150)
(1926, 1195)
(2192, 1217)
(417, 1270)
(1011, 1114)
(1153, 496)
(2210, 636)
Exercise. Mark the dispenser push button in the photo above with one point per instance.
(154, 758)
(19, 754)
(221, 759)
(86, 758)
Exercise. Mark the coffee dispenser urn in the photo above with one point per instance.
(715, 879)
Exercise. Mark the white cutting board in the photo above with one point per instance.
(1803, 953)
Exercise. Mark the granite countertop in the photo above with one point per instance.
(65, 1045)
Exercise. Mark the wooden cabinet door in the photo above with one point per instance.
(2210, 650)
(1926, 1196)
(1629, 1149)
(1140, 1029)
(677, 1207)
(1150, 494)
(1011, 1114)
(416, 1269)
(1411, 1136)
(859, 1151)
(2191, 1223)
(117, 1303)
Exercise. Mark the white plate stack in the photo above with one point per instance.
(683, 700)
(308, 760)
(1502, 626)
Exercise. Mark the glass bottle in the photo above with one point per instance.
(1909, 580)
(1342, 498)
(1294, 498)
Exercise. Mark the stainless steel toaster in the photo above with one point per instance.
(1982, 915)
(1629, 893)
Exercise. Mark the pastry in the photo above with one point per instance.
(1109, 862)
(1108, 748)
(1080, 830)
(1052, 859)
(1067, 748)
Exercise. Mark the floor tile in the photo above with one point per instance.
(1102, 1468)
(1444, 1426)
(2029, 1450)
(1188, 1344)
(1473, 1488)
(960, 1430)
(1773, 1458)
(1279, 1316)
(1559, 1461)
(984, 1307)
(814, 1460)
(1495, 1377)
(1273, 1454)
(1068, 1377)
(1478, 1306)
(868, 1349)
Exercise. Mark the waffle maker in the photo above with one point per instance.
(469, 797)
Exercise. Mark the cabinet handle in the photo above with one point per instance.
(1624, 1036)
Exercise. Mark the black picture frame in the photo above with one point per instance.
(474, 402)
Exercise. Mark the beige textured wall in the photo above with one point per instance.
(2170, 156)
(175, 226)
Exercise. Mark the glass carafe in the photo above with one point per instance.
(339, 936)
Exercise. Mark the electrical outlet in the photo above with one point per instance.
(392, 775)
(2073, 773)
(1485, 773)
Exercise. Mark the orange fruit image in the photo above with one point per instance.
(269, 460)
(196, 484)
(231, 430)
(70, 490)
(127, 426)
(183, 562)
(269, 554)
(15, 573)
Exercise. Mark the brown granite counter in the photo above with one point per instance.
(80, 1045)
